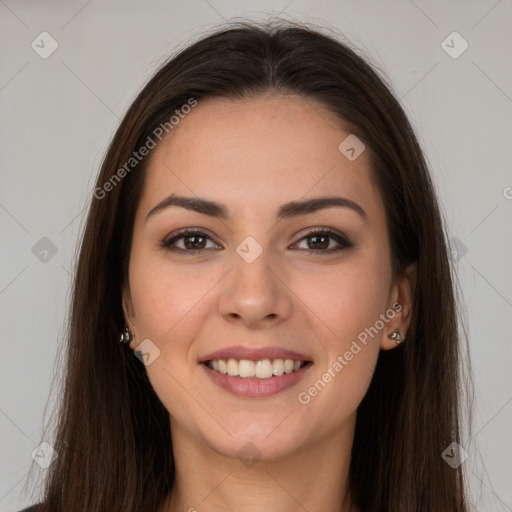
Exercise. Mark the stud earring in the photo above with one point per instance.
(395, 335)
(126, 337)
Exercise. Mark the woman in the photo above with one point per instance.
(265, 240)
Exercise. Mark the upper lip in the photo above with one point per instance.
(254, 354)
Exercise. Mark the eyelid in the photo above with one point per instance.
(341, 239)
(183, 233)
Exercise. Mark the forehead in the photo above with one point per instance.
(270, 149)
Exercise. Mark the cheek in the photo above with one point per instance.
(163, 296)
(346, 298)
(168, 303)
(347, 302)
(171, 300)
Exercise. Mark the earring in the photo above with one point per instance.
(395, 335)
(126, 337)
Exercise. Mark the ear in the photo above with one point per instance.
(129, 312)
(401, 293)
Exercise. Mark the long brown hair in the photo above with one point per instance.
(113, 434)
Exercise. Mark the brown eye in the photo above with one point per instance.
(191, 241)
(194, 241)
(321, 241)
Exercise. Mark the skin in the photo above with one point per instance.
(253, 156)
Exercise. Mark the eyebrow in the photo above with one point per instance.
(286, 211)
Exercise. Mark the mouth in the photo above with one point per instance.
(255, 373)
(261, 369)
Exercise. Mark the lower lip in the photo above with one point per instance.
(256, 388)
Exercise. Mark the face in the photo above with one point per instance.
(314, 281)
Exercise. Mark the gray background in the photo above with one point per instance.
(59, 113)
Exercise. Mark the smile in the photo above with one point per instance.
(263, 369)
(255, 379)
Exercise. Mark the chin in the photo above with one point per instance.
(256, 441)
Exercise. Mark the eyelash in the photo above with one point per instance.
(185, 233)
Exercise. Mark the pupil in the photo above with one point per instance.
(324, 245)
(193, 241)
(193, 244)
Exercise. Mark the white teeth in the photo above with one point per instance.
(223, 367)
(263, 369)
(232, 367)
(278, 367)
(246, 368)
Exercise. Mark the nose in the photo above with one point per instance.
(255, 295)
